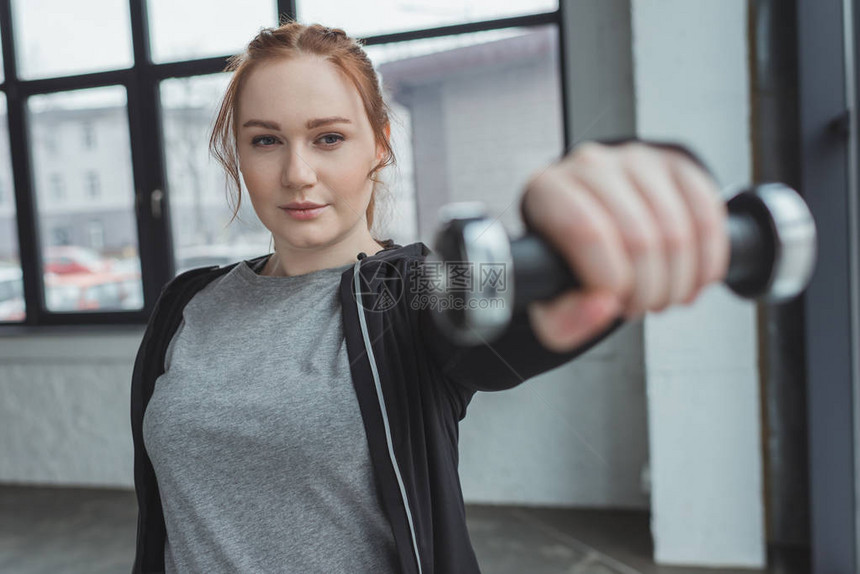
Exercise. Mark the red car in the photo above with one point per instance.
(64, 259)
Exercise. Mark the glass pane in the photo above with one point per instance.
(11, 284)
(402, 15)
(219, 28)
(485, 113)
(85, 200)
(199, 208)
(60, 38)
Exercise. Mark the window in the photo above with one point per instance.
(404, 15)
(93, 185)
(62, 236)
(89, 135)
(452, 98)
(96, 231)
(87, 36)
(12, 308)
(50, 143)
(58, 189)
(77, 246)
(219, 27)
(202, 231)
(94, 117)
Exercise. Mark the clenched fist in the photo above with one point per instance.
(642, 227)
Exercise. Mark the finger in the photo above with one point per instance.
(570, 319)
(710, 216)
(638, 229)
(650, 173)
(580, 229)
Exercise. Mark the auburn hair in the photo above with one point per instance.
(289, 40)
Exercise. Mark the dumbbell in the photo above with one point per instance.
(486, 276)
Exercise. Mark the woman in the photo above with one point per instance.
(283, 421)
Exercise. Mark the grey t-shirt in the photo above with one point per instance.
(256, 437)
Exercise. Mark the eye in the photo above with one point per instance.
(330, 142)
(259, 140)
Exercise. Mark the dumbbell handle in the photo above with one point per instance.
(772, 240)
(541, 273)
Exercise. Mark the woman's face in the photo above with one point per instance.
(304, 136)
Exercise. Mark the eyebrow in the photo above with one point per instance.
(326, 121)
(311, 124)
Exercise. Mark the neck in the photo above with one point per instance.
(289, 260)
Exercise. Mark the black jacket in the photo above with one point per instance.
(413, 387)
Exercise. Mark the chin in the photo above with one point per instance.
(307, 240)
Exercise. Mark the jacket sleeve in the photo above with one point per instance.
(516, 355)
(511, 359)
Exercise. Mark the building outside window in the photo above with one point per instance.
(96, 232)
(58, 187)
(61, 235)
(443, 85)
(93, 184)
(89, 134)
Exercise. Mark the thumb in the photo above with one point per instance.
(572, 318)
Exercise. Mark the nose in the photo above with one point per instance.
(297, 173)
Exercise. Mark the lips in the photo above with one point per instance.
(302, 205)
(304, 210)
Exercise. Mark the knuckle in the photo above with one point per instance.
(710, 226)
(676, 240)
(582, 237)
(531, 193)
(625, 287)
(696, 174)
(713, 221)
(682, 160)
(537, 177)
(591, 154)
(719, 207)
(680, 294)
(640, 243)
(640, 152)
(670, 297)
(627, 290)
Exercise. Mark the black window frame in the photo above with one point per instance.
(141, 81)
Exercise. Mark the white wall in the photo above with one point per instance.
(690, 61)
(65, 408)
(575, 436)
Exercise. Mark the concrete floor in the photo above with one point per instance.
(47, 530)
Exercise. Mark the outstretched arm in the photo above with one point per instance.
(642, 226)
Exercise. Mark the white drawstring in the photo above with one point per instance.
(379, 396)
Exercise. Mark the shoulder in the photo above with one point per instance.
(196, 277)
(201, 276)
(385, 279)
(395, 260)
(181, 288)
(399, 253)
